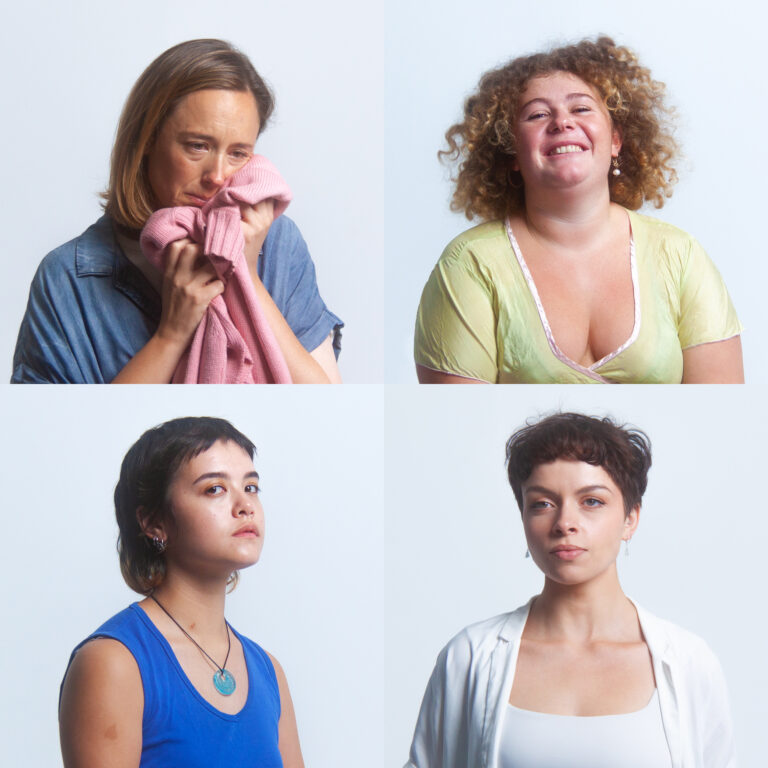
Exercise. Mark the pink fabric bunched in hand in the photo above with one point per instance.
(233, 343)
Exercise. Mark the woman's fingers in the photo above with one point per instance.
(255, 222)
(259, 216)
(189, 286)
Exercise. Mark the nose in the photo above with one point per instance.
(561, 121)
(243, 506)
(565, 522)
(215, 174)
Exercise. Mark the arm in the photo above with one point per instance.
(428, 376)
(288, 732)
(101, 708)
(455, 336)
(326, 359)
(305, 367)
(719, 362)
(187, 292)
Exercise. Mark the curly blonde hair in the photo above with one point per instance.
(484, 144)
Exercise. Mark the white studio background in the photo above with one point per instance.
(455, 546)
(69, 67)
(709, 53)
(315, 599)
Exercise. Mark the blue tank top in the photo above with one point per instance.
(180, 728)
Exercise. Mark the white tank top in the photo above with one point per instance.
(539, 740)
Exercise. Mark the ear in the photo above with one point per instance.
(616, 141)
(149, 529)
(631, 522)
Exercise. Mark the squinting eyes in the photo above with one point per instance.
(574, 110)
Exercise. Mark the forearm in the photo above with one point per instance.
(154, 363)
(304, 369)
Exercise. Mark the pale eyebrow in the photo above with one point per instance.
(569, 97)
(224, 476)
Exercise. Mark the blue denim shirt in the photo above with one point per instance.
(90, 310)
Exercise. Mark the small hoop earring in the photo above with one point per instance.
(158, 544)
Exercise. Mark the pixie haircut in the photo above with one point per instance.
(196, 65)
(622, 451)
(143, 491)
(485, 146)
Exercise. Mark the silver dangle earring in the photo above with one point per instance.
(527, 553)
(158, 544)
(626, 547)
(615, 166)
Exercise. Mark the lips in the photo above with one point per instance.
(566, 149)
(197, 200)
(247, 531)
(567, 552)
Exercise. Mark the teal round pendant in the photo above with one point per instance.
(224, 682)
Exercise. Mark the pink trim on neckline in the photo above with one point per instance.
(590, 371)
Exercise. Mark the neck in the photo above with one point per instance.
(569, 218)
(197, 606)
(586, 612)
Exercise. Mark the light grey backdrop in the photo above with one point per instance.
(314, 600)
(455, 546)
(69, 67)
(710, 54)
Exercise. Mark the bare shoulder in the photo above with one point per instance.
(101, 708)
(279, 672)
(288, 732)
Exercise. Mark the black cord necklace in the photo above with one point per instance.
(223, 679)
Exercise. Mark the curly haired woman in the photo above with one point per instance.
(565, 282)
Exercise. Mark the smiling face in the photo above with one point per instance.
(565, 135)
(208, 136)
(216, 524)
(575, 520)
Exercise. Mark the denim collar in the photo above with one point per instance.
(93, 259)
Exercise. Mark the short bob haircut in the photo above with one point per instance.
(484, 143)
(142, 492)
(622, 451)
(196, 65)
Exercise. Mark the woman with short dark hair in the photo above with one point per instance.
(168, 681)
(107, 308)
(580, 676)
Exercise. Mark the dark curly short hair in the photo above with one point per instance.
(623, 452)
(142, 492)
(484, 143)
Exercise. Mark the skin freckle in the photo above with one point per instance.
(111, 732)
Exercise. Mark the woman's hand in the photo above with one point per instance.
(188, 288)
(256, 221)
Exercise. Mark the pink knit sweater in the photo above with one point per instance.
(233, 343)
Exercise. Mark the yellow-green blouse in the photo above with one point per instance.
(480, 315)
